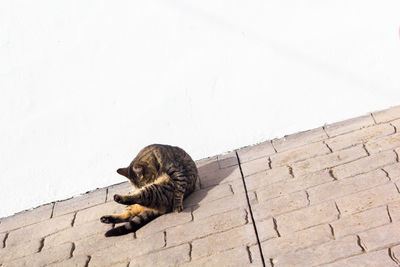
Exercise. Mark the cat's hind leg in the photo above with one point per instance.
(143, 217)
(129, 213)
(135, 217)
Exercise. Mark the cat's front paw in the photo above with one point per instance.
(107, 219)
(118, 198)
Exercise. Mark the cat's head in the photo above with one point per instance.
(138, 175)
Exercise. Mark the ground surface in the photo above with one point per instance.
(328, 196)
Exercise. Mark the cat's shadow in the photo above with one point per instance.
(210, 175)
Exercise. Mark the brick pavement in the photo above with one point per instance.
(328, 196)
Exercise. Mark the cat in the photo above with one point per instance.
(162, 176)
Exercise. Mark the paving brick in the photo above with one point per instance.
(94, 213)
(393, 171)
(384, 143)
(394, 210)
(99, 242)
(234, 257)
(347, 186)
(254, 152)
(121, 188)
(80, 202)
(255, 166)
(219, 176)
(292, 185)
(175, 256)
(396, 124)
(387, 114)
(329, 160)
(207, 161)
(298, 240)
(381, 237)
(213, 224)
(266, 229)
(78, 261)
(298, 154)
(120, 264)
(207, 166)
(208, 194)
(299, 139)
(21, 250)
(368, 199)
(213, 244)
(241, 236)
(373, 259)
(279, 205)
(221, 205)
(359, 137)
(45, 257)
(227, 160)
(125, 251)
(262, 179)
(2, 238)
(364, 164)
(349, 125)
(165, 221)
(307, 217)
(76, 233)
(255, 256)
(321, 254)
(26, 218)
(359, 222)
(395, 254)
(39, 230)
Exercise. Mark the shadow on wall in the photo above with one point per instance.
(210, 175)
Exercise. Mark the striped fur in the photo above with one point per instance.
(162, 176)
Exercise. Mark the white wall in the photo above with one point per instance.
(85, 84)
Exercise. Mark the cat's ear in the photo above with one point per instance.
(123, 171)
(137, 169)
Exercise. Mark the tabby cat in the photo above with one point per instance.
(161, 176)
